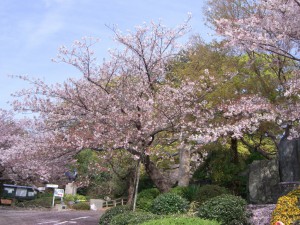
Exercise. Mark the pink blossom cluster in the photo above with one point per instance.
(274, 27)
(125, 103)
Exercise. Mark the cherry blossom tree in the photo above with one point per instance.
(25, 157)
(273, 28)
(266, 29)
(126, 103)
(7, 133)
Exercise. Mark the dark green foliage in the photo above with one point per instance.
(169, 203)
(45, 202)
(209, 191)
(81, 206)
(180, 221)
(133, 218)
(110, 213)
(146, 197)
(227, 209)
(222, 170)
(179, 191)
(48, 193)
(191, 192)
(145, 182)
(254, 156)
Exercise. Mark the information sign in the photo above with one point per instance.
(59, 193)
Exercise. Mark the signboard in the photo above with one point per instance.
(51, 186)
(59, 193)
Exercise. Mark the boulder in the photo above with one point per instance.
(263, 186)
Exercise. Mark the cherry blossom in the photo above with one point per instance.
(124, 103)
(273, 28)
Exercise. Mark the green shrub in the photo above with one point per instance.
(45, 202)
(180, 221)
(146, 197)
(110, 213)
(81, 206)
(227, 209)
(209, 191)
(191, 192)
(179, 191)
(74, 198)
(169, 203)
(220, 169)
(48, 193)
(133, 218)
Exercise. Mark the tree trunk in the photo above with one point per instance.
(161, 181)
(131, 186)
(184, 165)
(234, 149)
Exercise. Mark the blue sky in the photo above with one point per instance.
(31, 31)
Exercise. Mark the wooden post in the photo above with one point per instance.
(137, 179)
(53, 200)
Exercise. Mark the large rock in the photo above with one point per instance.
(263, 182)
(289, 160)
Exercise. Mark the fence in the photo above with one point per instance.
(115, 202)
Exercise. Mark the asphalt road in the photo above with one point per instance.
(33, 217)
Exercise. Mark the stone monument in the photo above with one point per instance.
(289, 160)
(289, 164)
(270, 179)
(263, 181)
(71, 188)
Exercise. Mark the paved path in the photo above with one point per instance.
(33, 217)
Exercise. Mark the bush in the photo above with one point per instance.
(81, 206)
(191, 192)
(227, 209)
(209, 191)
(180, 221)
(169, 203)
(132, 218)
(146, 197)
(179, 191)
(74, 198)
(287, 208)
(110, 213)
(45, 202)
